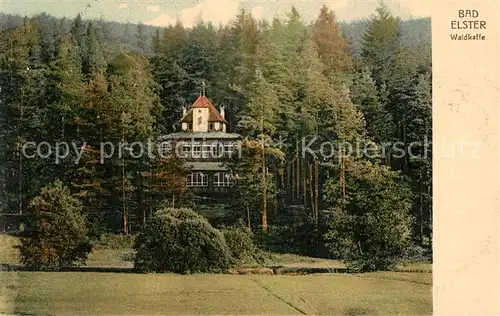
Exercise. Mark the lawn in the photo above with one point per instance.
(94, 293)
(42, 293)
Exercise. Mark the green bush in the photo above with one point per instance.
(180, 241)
(416, 253)
(241, 244)
(57, 233)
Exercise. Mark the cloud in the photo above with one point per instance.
(161, 21)
(215, 11)
(257, 12)
(123, 6)
(153, 8)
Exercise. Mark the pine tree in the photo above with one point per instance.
(142, 41)
(78, 29)
(364, 94)
(332, 46)
(371, 228)
(22, 86)
(381, 44)
(93, 60)
(259, 122)
(131, 117)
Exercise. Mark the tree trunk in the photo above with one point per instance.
(304, 182)
(429, 205)
(289, 181)
(249, 225)
(125, 227)
(342, 177)
(316, 165)
(264, 190)
(20, 180)
(297, 170)
(421, 208)
(311, 192)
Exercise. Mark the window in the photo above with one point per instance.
(190, 126)
(207, 150)
(223, 179)
(165, 147)
(228, 150)
(197, 179)
(196, 153)
(185, 149)
(211, 126)
(218, 150)
(199, 120)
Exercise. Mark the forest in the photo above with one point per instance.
(282, 83)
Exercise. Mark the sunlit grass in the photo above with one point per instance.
(120, 294)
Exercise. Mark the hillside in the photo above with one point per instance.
(414, 32)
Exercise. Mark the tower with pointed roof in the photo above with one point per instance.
(205, 145)
(202, 116)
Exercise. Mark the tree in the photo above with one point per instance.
(23, 87)
(332, 46)
(131, 118)
(142, 41)
(364, 94)
(371, 225)
(381, 44)
(419, 164)
(93, 60)
(156, 42)
(57, 232)
(77, 30)
(258, 120)
(169, 182)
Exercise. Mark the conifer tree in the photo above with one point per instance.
(94, 60)
(332, 46)
(381, 44)
(259, 122)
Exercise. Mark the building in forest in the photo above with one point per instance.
(205, 146)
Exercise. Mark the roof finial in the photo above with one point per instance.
(203, 85)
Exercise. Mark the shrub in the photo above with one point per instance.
(57, 233)
(418, 253)
(241, 244)
(180, 241)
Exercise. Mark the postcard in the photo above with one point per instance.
(230, 157)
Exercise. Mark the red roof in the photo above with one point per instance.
(204, 102)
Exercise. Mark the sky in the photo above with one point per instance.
(164, 13)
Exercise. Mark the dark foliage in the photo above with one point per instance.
(180, 241)
(56, 236)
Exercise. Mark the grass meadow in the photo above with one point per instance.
(100, 293)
